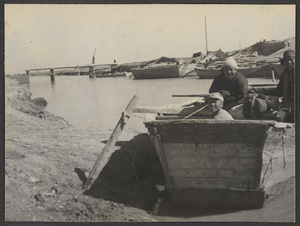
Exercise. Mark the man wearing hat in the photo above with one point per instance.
(286, 86)
(231, 84)
(215, 104)
(285, 89)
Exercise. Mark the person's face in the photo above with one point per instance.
(229, 72)
(215, 105)
(289, 62)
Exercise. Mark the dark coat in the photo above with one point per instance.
(285, 89)
(237, 87)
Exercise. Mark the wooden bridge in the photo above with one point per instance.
(91, 69)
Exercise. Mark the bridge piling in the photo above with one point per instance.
(91, 71)
(52, 78)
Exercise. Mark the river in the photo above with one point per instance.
(98, 102)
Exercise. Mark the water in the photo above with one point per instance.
(98, 102)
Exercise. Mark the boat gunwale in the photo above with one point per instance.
(210, 121)
(170, 186)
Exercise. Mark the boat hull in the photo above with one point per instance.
(169, 71)
(210, 163)
(215, 199)
(102, 75)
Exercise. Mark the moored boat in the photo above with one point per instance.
(104, 75)
(163, 71)
(248, 72)
(211, 163)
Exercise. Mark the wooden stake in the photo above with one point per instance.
(52, 77)
(107, 150)
(195, 112)
(273, 77)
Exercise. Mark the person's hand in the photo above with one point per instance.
(224, 93)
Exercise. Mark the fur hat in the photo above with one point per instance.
(230, 62)
(289, 53)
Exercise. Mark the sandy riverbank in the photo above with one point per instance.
(46, 161)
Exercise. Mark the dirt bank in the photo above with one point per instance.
(47, 160)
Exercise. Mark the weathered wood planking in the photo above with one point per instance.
(108, 150)
(209, 160)
(156, 140)
(166, 71)
(212, 163)
(205, 155)
(215, 182)
(213, 198)
(242, 150)
(211, 133)
(207, 173)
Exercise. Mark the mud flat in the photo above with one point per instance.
(47, 160)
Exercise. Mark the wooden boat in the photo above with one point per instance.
(104, 75)
(248, 72)
(207, 73)
(164, 71)
(209, 163)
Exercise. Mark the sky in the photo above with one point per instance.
(47, 35)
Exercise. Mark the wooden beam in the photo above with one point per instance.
(191, 95)
(108, 148)
(52, 78)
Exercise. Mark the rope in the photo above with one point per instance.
(270, 162)
(283, 151)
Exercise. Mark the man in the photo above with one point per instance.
(286, 85)
(231, 84)
(215, 104)
(285, 89)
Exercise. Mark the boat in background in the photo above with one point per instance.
(261, 71)
(154, 72)
(105, 75)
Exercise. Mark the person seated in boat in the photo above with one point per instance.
(231, 84)
(215, 104)
(284, 90)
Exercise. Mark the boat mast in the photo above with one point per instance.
(206, 35)
(93, 58)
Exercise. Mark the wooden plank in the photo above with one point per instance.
(219, 162)
(215, 183)
(237, 150)
(218, 198)
(69, 67)
(191, 95)
(221, 133)
(212, 173)
(108, 148)
(267, 85)
(170, 108)
(156, 140)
